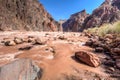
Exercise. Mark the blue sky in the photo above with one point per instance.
(62, 9)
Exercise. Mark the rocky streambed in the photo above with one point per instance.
(57, 56)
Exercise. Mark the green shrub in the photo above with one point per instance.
(106, 29)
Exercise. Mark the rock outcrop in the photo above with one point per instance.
(22, 69)
(108, 12)
(25, 15)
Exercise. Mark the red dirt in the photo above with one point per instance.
(55, 64)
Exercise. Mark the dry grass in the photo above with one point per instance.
(105, 29)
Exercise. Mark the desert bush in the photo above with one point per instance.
(106, 29)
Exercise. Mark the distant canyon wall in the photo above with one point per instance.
(107, 12)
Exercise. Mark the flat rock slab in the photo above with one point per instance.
(88, 58)
(21, 69)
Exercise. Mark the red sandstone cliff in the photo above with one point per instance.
(108, 12)
(25, 15)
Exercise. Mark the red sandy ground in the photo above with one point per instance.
(54, 65)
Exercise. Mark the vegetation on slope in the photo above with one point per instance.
(105, 29)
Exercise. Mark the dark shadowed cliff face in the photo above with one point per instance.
(25, 15)
(75, 22)
(108, 12)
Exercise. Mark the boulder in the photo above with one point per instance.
(31, 37)
(88, 58)
(118, 63)
(40, 41)
(93, 42)
(26, 48)
(89, 43)
(96, 44)
(110, 63)
(108, 41)
(116, 57)
(31, 40)
(109, 36)
(115, 51)
(62, 37)
(25, 40)
(10, 43)
(117, 40)
(21, 69)
(18, 40)
(50, 49)
(88, 35)
(105, 47)
(99, 49)
(101, 38)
